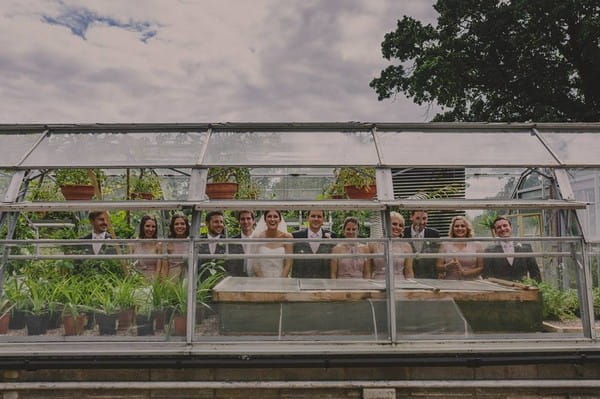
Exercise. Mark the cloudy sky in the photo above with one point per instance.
(199, 60)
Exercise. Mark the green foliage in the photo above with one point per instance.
(510, 61)
(356, 176)
(228, 174)
(44, 191)
(557, 304)
(146, 182)
(122, 228)
(596, 299)
(77, 176)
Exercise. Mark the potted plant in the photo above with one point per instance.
(104, 305)
(144, 309)
(5, 308)
(146, 185)
(211, 273)
(16, 294)
(358, 182)
(223, 181)
(124, 290)
(175, 294)
(70, 294)
(37, 305)
(76, 184)
(161, 302)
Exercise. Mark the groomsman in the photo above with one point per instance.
(423, 268)
(509, 268)
(215, 226)
(246, 222)
(312, 268)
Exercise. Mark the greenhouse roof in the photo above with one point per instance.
(300, 144)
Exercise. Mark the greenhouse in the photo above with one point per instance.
(184, 296)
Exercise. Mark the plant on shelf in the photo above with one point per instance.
(358, 182)
(224, 183)
(77, 184)
(145, 185)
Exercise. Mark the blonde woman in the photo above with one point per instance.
(403, 266)
(460, 267)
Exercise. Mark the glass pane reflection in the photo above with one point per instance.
(463, 148)
(291, 148)
(118, 149)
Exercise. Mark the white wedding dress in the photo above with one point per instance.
(269, 267)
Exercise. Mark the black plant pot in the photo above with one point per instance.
(54, 320)
(107, 323)
(17, 320)
(144, 324)
(90, 321)
(36, 324)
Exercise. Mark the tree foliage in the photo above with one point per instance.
(499, 60)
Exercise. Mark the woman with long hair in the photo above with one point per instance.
(148, 229)
(460, 267)
(355, 267)
(179, 227)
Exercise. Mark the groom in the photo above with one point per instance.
(312, 267)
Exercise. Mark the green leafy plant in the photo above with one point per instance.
(557, 304)
(228, 174)
(146, 182)
(77, 176)
(355, 176)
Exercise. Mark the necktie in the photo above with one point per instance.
(314, 246)
(509, 248)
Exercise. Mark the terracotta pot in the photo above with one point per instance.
(74, 325)
(126, 318)
(77, 192)
(4, 321)
(221, 190)
(368, 192)
(179, 325)
(142, 196)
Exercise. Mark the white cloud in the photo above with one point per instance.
(203, 60)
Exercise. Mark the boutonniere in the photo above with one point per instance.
(327, 235)
(518, 245)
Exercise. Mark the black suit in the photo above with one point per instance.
(233, 267)
(311, 268)
(500, 268)
(424, 268)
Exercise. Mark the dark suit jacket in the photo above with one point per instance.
(233, 267)
(311, 268)
(89, 249)
(500, 268)
(425, 268)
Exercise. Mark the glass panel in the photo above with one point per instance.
(258, 303)
(291, 148)
(586, 187)
(574, 148)
(72, 290)
(532, 292)
(118, 149)
(5, 178)
(462, 148)
(292, 183)
(14, 146)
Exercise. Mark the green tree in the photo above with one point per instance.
(499, 60)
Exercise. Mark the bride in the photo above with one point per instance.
(272, 226)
